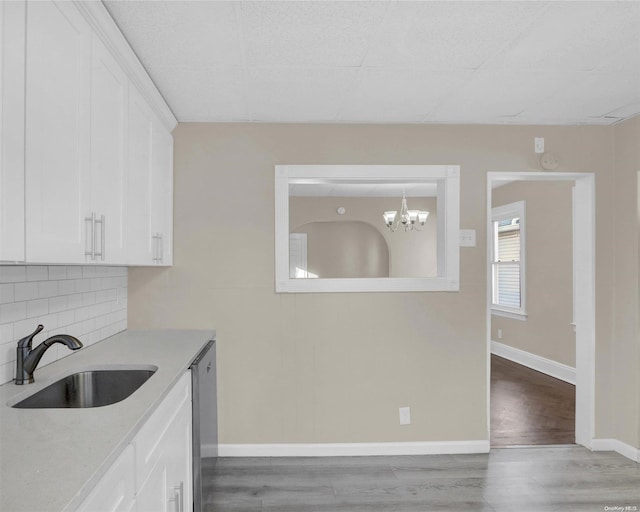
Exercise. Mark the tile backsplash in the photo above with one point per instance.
(88, 302)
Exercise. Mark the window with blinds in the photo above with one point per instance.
(506, 291)
(508, 258)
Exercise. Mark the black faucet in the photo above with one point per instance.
(28, 359)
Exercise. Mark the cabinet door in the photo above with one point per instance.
(168, 485)
(179, 443)
(116, 491)
(109, 87)
(150, 186)
(139, 236)
(57, 132)
(162, 193)
(12, 61)
(153, 496)
(163, 454)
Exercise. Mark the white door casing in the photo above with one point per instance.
(584, 291)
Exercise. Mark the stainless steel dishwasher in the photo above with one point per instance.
(205, 415)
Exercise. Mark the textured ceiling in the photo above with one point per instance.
(482, 62)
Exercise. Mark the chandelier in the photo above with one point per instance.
(410, 219)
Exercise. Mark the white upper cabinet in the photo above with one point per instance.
(12, 61)
(139, 241)
(150, 187)
(57, 152)
(109, 103)
(86, 157)
(162, 195)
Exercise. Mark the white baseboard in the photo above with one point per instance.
(539, 363)
(613, 445)
(351, 449)
(209, 450)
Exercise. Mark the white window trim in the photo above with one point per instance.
(447, 177)
(509, 211)
(507, 313)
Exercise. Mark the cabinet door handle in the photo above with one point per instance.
(92, 247)
(177, 499)
(180, 490)
(174, 500)
(104, 234)
(161, 244)
(102, 237)
(154, 248)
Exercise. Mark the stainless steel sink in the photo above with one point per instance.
(91, 388)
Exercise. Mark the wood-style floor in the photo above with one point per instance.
(535, 479)
(529, 407)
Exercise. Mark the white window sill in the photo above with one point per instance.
(522, 316)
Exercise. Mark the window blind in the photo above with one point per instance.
(509, 245)
(506, 265)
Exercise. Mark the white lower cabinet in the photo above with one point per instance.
(154, 472)
(166, 487)
(116, 491)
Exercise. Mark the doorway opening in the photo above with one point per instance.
(540, 328)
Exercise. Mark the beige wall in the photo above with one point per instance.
(335, 367)
(547, 331)
(626, 336)
(412, 254)
(344, 249)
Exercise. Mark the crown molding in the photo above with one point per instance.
(103, 25)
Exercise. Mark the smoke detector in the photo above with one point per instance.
(549, 161)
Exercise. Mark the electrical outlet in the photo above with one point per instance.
(405, 415)
(499, 334)
(538, 145)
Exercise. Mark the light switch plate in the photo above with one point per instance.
(467, 238)
(538, 145)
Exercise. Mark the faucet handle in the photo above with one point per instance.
(26, 341)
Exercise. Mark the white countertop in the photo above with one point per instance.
(51, 458)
